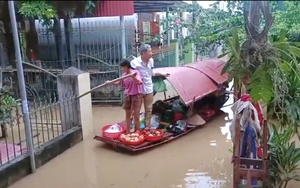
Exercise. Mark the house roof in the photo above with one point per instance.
(155, 6)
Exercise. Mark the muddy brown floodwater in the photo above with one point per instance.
(199, 160)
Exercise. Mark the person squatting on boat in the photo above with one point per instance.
(144, 64)
(133, 90)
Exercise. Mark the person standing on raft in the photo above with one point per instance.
(133, 90)
(144, 64)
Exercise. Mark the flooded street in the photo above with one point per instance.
(201, 159)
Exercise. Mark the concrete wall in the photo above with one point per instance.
(20, 168)
(71, 81)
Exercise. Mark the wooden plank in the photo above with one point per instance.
(255, 174)
(255, 162)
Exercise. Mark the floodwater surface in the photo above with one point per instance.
(200, 159)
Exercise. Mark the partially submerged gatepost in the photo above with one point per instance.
(76, 82)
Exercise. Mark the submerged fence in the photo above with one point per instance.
(49, 119)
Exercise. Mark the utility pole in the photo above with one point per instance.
(14, 27)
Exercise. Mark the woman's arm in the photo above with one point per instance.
(137, 78)
(117, 83)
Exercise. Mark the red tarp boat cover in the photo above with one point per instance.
(211, 68)
(194, 83)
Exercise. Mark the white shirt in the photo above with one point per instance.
(146, 73)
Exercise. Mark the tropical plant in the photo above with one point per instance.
(273, 68)
(284, 158)
(46, 11)
(208, 27)
(42, 10)
(7, 104)
(279, 87)
(286, 15)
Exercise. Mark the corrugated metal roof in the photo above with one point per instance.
(155, 6)
(114, 8)
(126, 8)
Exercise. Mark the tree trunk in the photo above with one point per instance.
(9, 37)
(58, 40)
(257, 37)
(3, 131)
(32, 42)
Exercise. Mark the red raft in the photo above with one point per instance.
(200, 87)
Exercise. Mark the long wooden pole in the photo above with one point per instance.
(104, 84)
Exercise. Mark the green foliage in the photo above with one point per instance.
(211, 26)
(276, 81)
(280, 85)
(90, 6)
(41, 10)
(45, 11)
(7, 104)
(273, 67)
(287, 18)
(234, 65)
(284, 157)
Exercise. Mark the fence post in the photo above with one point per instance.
(193, 53)
(176, 53)
(77, 82)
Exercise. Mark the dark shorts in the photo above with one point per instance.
(133, 102)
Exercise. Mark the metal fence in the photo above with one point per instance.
(97, 48)
(165, 59)
(49, 119)
(39, 82)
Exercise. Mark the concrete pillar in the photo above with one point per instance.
(76, 82)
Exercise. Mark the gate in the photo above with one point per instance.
(164, 56)
(97, 45)
(39, 82)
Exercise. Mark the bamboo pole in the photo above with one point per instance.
(104, 84)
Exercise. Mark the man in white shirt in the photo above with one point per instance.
(145, 64)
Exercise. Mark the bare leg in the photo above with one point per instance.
(128, 120)
(136, 119)
(136, 108)
(148, 100)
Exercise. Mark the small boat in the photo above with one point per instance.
(201, 93)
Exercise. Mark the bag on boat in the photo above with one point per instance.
(159, 85)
